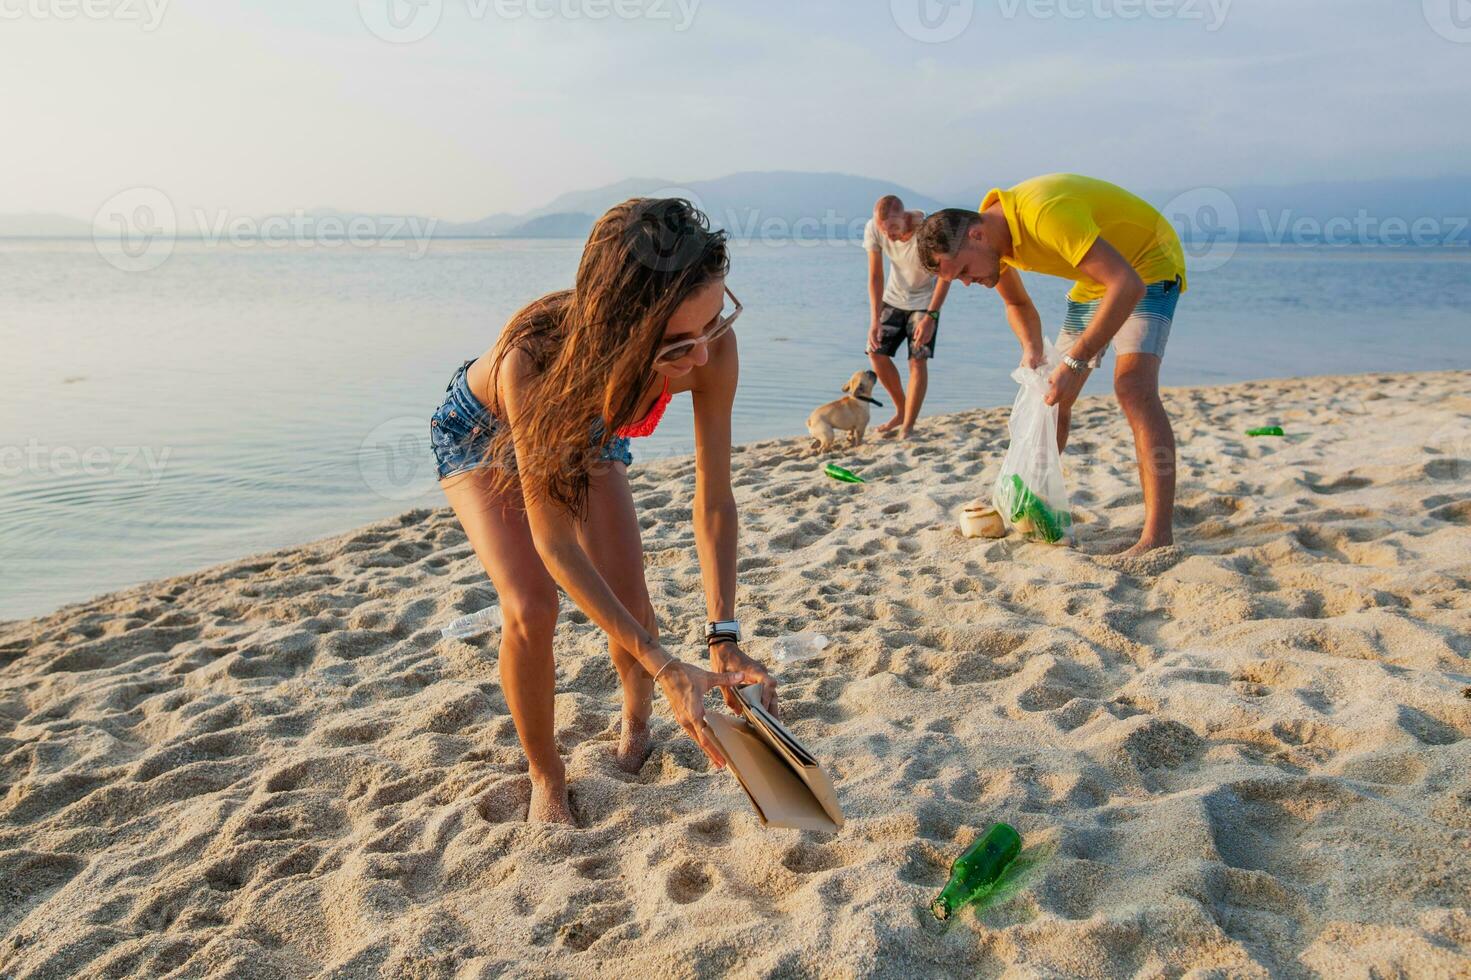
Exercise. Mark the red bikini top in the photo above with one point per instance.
(646, 425)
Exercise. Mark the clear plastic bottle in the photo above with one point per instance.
(797, 646)
(488, 618)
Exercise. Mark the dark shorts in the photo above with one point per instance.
(899, 325)
(461, 430)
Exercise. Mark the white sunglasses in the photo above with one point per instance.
(681, 349)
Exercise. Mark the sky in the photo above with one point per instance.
(462, 108)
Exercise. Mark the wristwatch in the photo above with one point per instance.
(933, 313)
(721, 630)
(1075, 365)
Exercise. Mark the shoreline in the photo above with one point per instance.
(1244, 755)
(641, 462)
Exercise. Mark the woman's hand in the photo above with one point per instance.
(685, 685)
(727, 657)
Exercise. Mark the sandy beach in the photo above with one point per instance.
(1243, 756)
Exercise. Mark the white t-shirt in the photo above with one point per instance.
(909, 286)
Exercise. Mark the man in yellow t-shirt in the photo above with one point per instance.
(1128, 271)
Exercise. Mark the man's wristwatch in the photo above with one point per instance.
(933, 313)
(725, 630)
(1075, 365)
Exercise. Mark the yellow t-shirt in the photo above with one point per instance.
(1055, 220)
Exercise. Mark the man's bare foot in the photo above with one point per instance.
(549, 803)
(1144, 546)
(892, 424)
(634, 745)
(906, 432)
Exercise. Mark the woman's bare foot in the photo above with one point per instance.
(634, 745)
(892, 424)
(549, 803)
(906, 432)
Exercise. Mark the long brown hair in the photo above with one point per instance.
(593, 345)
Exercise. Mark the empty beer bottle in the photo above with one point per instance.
(838, 473)
(977, 871)
(1265, 430)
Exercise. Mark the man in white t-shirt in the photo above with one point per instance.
(906, 307)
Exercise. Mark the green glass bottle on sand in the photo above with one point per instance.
(838, 473)
(977, 871)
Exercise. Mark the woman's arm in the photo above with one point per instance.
(716, 523)
(554, 532)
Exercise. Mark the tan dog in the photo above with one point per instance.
(844, 415)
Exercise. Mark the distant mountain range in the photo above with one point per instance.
(796, 204)
(779, 204)
(42, 226)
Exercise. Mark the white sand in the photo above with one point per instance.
(1247, 755)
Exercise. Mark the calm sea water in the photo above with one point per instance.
(237, 399)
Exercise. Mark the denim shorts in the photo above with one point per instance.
(461, 430)
(1146, 331)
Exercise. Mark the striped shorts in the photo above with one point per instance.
(1145, 332)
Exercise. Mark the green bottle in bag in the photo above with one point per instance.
(1028, 514)
(977, 871)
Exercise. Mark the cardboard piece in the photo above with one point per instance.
(784, 782)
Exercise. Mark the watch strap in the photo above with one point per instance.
(723, 628)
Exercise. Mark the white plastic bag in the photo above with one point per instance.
(1031, 493)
